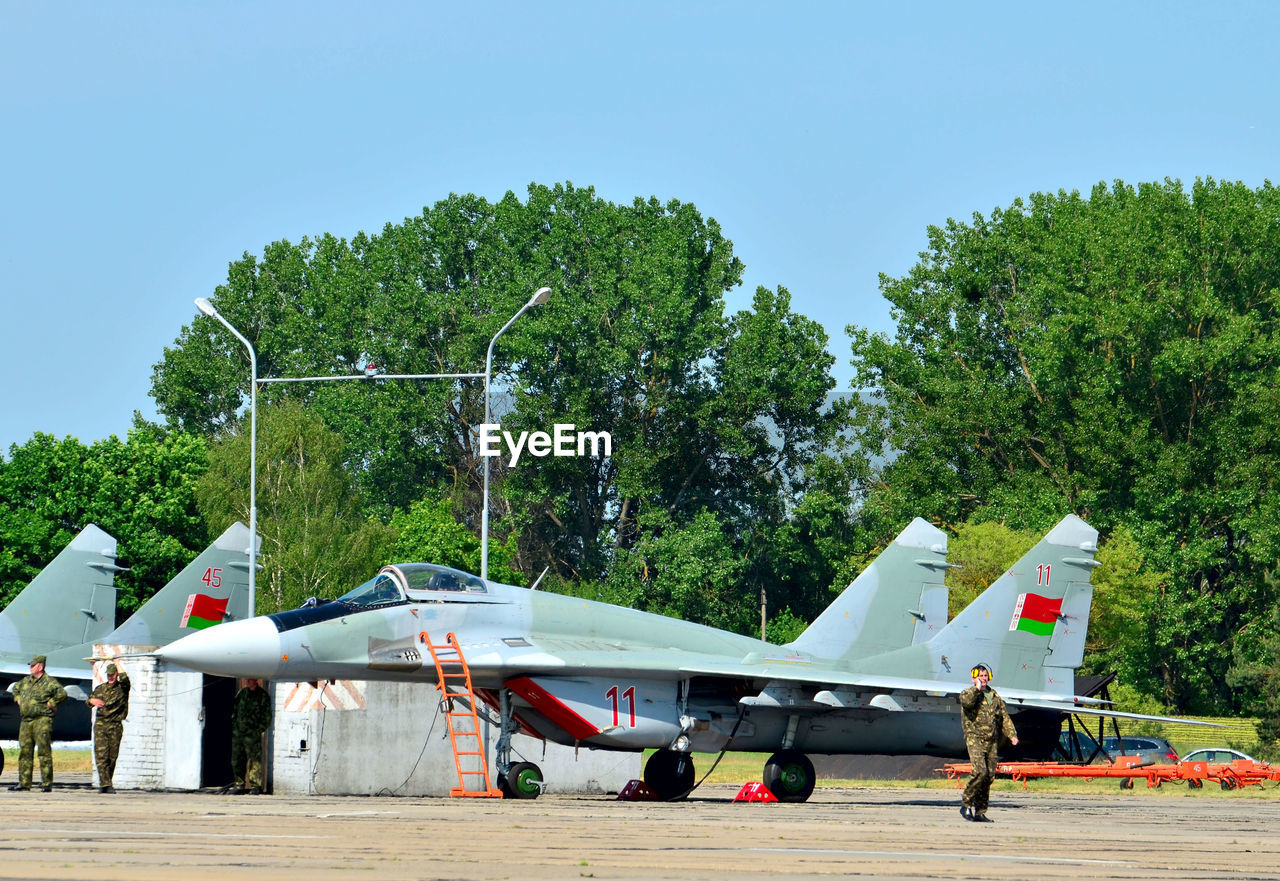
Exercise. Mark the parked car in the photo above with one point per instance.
(1152, 750)
(1216, 755)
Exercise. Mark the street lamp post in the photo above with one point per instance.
(540, 296)
(207, 308)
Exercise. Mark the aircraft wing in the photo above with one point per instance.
(800, 672)
(1065, 706)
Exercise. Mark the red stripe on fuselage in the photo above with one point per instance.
(553, 708)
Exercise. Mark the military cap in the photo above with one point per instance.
(111, 669)
(39, 659)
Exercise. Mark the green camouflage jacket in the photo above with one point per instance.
(115, 699)
(984, 715)
(33, 696)
(251, 714)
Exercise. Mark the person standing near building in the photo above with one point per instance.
(984, 720)
(250, 719)
(37, 696)
(111, 701)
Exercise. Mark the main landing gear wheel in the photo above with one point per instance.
(789, 775)
(669, 774)
(524, 780)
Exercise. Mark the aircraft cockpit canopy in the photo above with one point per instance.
(428, 577)
(382, 590)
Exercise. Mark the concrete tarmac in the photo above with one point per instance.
(77, 833)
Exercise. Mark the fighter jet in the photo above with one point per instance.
(585, 673)
(213, 588)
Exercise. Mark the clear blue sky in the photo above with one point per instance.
(144, 146)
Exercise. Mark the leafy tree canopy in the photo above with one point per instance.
(708, 412)
(1115, 356)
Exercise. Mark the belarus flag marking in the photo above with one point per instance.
(1036, 614)
(203, 611)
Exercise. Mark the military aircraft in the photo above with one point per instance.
(585, 673)
(212, 588)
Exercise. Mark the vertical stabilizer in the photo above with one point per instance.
(1029, 626)
(70, 601)
(897, 601)
(213, 588)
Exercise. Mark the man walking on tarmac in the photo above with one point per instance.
(37, 696)
(984, 720)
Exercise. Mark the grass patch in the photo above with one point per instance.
(64, 760)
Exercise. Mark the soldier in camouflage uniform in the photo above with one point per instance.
(111, 700)
(250, 718)
(37, 696)
(984, 721)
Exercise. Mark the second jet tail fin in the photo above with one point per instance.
(1029, 626)
(213, 588)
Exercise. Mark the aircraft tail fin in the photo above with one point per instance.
(214, 587)
(70, 601)
(897, 601)
(1029, 626)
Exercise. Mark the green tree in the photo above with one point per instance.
(707, 412)
(1256, 670)
(430, 533)
(691, 572)
(316, 540)
(1127, 607)
(1115, 356)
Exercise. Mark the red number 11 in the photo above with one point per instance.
(629, 696)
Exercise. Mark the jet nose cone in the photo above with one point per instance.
(238, 648)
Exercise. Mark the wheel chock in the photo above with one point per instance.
(636, 790)
(755, 792)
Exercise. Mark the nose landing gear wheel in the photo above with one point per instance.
(789, 775)
(669, 774)
(524, 780)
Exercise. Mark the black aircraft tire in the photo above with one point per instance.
(1194, 783)
(1126, 783)
(669, 774)
(1, 761)
(524, 780)
(790, 776)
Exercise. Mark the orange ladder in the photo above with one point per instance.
(453, 678)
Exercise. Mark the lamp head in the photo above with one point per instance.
(206, 307)
(540, 296)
